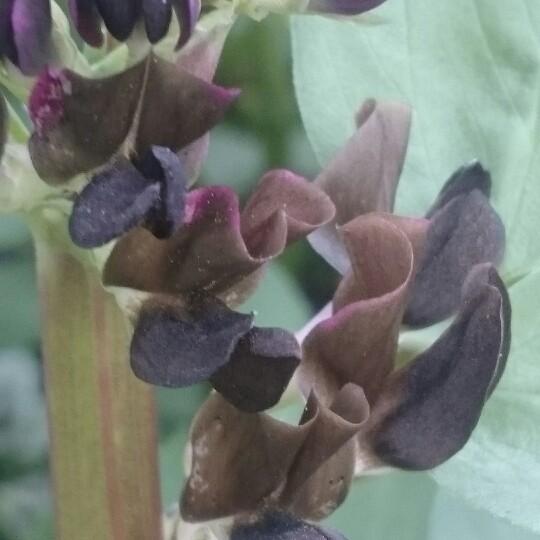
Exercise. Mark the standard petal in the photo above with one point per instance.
(321, 474)
(177, 345)
(248, 447)
(428, 410)
(343, 7)
(466, 231)
(119, 16)
(208, 253)
(251, 446)
(187, 12)
(115, 201)
(281, 526)
(358, 343)
(157, 18)
(362, 177)
(81, 123)
(87, 20)
(259, 370)
(31, 24)
(303, 206)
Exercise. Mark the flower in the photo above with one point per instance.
(121, 16)
(25, 27)
(185, 331)
(82, 123)
(343, 7)
(363, 411)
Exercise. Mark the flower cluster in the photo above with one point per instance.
(190, 257)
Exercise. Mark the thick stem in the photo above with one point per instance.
(102, 420)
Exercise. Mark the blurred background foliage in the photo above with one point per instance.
(262, 131)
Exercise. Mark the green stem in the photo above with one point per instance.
(102, 420)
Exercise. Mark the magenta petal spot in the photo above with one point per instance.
(46, 103)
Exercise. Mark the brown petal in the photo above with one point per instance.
(322, 471)
(464, 232)
(239, 460)
(304, 207)
(208, 253)
(152, 103)
(358, 343)
(363, 176)
(4, 120)
(259, 370)
(261, 455)
(428, 410)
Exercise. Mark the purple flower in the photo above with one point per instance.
(343, 7)
(121, 16)
(25, 27)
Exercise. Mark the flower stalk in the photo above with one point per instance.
(102, 420)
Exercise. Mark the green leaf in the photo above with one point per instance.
(471, 71)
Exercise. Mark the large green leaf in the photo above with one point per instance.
(471, 71)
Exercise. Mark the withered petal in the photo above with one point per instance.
(157, 18)
(246, 447)
(177, 345)
(154, 103)
(464, 232)
(429, 409)
(358, 343)
(363, 176)
(303, 206)
(466, 179)
(250, 446)
(259, 369)
(163, 166)
(276, 525)
(321, 474)
(119, 16)
(116, 200)
(187, 12)
(31, 23)
(87, 20)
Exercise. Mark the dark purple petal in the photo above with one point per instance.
(464, 232)
(119, 16)
(259, 370)
(31, 24)
(281, 526)
(343, 7)
(115, 201)
(428, 410)
(161, 165)
(87, 21)
(187, 12)
(4, 122)
(177, 345)
(463, 181)
(7, 46)
(157, 18)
